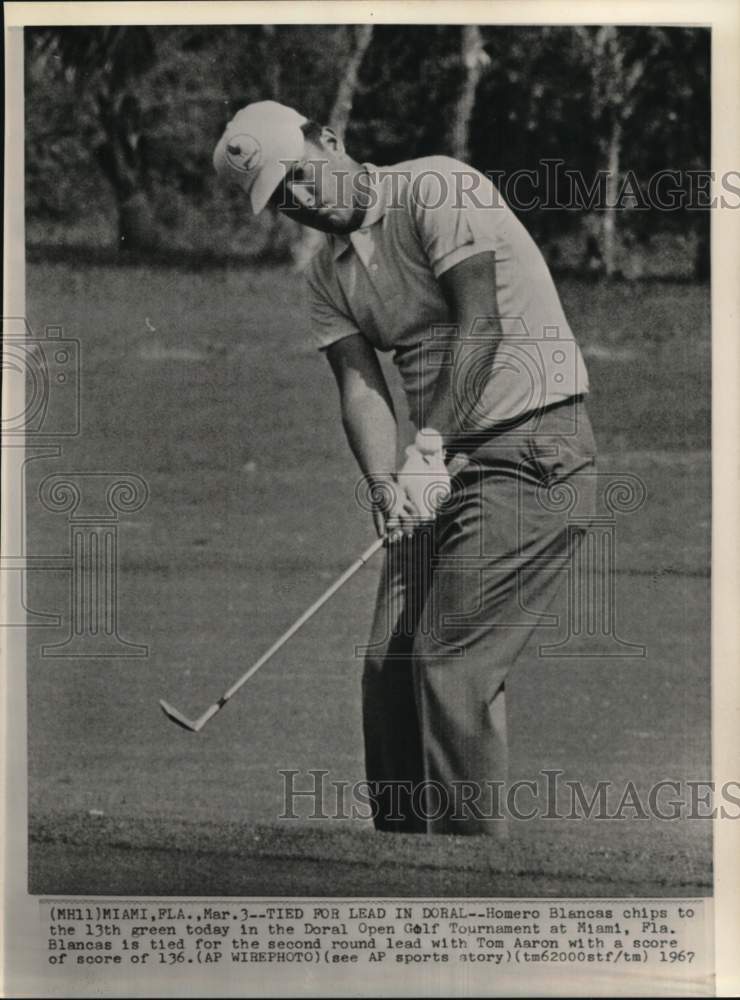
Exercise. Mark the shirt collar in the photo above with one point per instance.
(377, 185)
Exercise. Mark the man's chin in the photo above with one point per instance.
(333, 223)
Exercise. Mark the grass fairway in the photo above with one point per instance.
(207, 387)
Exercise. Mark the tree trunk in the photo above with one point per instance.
(310, 240)
(123, 160)
(474, 59)
(342, 109)
(136, 231)
(273, 76)
(616, 73)
(702, 257)
(609, 221)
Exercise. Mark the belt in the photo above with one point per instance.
(471, 440)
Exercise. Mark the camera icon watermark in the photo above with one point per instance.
(41, 379)
(500, 373)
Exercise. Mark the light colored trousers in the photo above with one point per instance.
(459, 603)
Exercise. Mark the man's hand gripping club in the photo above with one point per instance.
(415, 493)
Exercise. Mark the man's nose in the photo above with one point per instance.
(304, 195)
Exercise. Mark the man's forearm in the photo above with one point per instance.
(370, 425)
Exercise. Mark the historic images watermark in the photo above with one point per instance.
(549, 795)
(42, 411)
(550, 186)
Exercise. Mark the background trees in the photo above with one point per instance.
(121, 122)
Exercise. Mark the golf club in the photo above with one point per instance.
(195, 725)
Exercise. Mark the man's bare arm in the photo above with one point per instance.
(369, 422)
(368, 416)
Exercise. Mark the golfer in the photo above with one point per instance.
(424, 260)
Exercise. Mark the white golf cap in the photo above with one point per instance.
(257, 147)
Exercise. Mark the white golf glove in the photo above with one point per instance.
(424, 475)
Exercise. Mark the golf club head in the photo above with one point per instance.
(178, 718)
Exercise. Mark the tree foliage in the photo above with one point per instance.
(119, 115)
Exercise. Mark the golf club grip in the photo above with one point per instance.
(309, 613)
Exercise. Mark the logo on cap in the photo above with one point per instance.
(244, 153)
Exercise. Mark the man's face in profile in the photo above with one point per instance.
(318, 190)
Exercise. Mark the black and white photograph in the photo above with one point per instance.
(358, 456)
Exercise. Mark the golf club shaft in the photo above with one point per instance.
(309, 613)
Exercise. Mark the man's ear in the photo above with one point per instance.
(330, 138)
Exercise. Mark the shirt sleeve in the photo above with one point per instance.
(452, 225)
(328, 320)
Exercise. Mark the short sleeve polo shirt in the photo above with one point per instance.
(381, 281)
